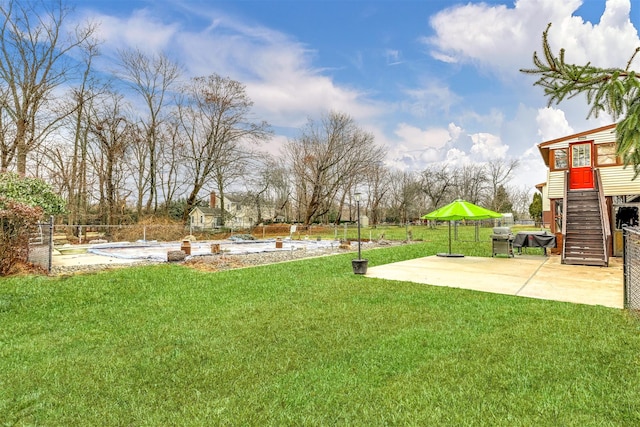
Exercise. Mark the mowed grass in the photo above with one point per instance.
(307, 343)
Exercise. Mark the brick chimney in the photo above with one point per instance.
(212, 200)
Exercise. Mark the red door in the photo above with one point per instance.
(580, 166)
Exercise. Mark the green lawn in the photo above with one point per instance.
(307, 343)
(464, 236)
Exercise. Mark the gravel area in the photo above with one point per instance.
(227, 262)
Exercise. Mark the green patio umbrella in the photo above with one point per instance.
(457, 210)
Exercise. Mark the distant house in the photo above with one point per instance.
(237, 214)
(205, 218)
(589, 195)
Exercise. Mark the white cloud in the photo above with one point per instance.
(141, 30)
(277, 71)
(454, 131)
(456, 157)
(502, 39)
(487, 146)
(415, 148)
(434, 96)
(609, 43)
(552, 124)
(416, 137)
(531, 170)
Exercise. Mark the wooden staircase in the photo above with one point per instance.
(585, 239)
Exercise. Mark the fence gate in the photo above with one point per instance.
(41, 245)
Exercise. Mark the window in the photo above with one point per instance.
(560, 159)
(581, 155)
(606, 154)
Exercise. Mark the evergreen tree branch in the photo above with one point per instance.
(606, 89)
(612, 90)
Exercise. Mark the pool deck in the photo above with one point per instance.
(530, 276)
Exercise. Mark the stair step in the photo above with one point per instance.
(587, 199)
(576, 240)
(574, 228)
(575, 248)
(584, 254)
(583, 236)
(582, 211)
(584, 239)
(582, 244)
(582, 247)
(585, 261)
(581, 219)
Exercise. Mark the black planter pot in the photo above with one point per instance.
(359, 266)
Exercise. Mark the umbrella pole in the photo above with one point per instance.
(449, 237)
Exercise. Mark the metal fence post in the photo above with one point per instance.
(50, 261)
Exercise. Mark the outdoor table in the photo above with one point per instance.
(534, 239)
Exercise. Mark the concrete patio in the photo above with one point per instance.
(531, 276)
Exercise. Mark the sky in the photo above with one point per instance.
(434, 81)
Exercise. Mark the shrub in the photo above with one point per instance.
(32, 192)
(16, 221)
(22, 204)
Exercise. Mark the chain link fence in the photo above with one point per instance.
(41, 245)
(632, 269)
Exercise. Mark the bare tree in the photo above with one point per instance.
(81, 99)
(276, 174)
(499, 171)
(327, 157)
(171, 165)
(59, 169)
(521, 199)
(111, 132)
(262, 186)
(233, 163)
(437, 182)
(151, 77)
(34, 52)
(214, 117)
(377, 182)
(7, 133)
(65, 155)
(405, 190)
(470, 183)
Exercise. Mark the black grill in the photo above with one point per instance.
(502, 241)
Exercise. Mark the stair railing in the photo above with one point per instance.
(604, 216)
(565, 202)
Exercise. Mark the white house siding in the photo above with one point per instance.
(618, 181)
(555, 184)
(546, 203)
